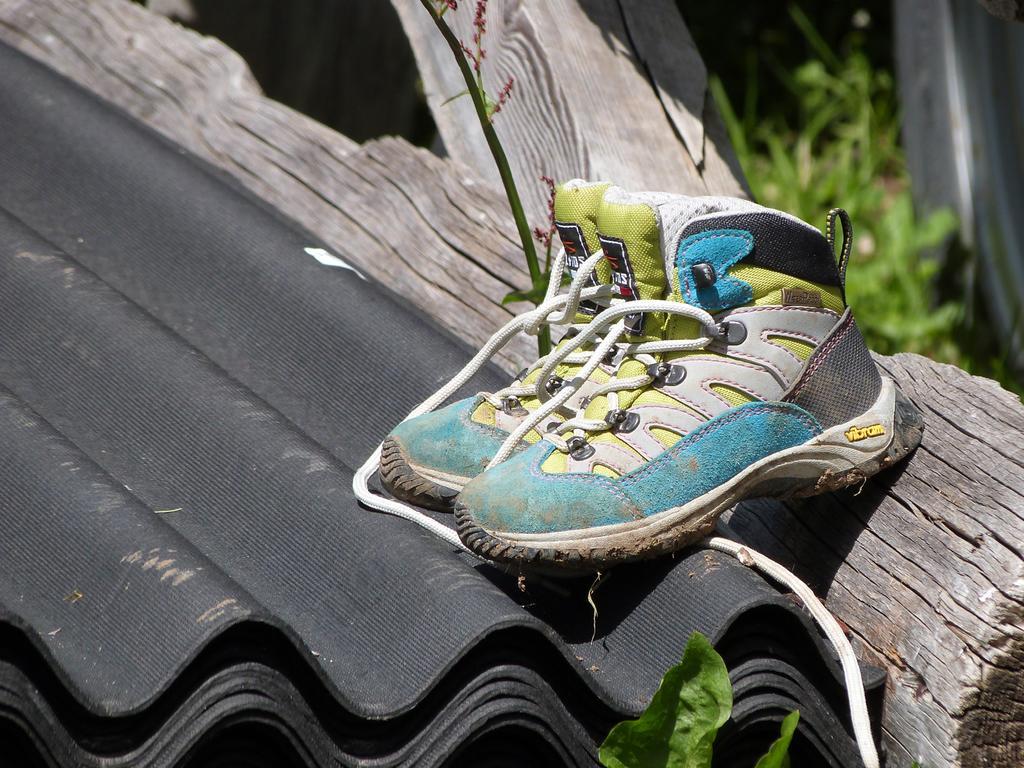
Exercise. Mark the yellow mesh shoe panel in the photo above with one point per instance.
(484, 414)
(666, 437)
(769, 285)
(802, 349)
(556, 463)
(768, 288)
(731, 395)
(636, 225)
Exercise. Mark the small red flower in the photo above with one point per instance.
(503, 96)
(544, 237)
(480, 21)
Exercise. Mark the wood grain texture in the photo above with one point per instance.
(319, 57)
(602, 91)
(1008, 10)
(925, 564)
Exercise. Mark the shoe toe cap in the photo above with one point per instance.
(447, 440)
(517, 496)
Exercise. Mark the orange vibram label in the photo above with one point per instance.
(853, 434)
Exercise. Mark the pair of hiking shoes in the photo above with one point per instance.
(708, 356)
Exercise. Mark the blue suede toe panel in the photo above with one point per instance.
(448, 440)
(716, 452)
(517, 496)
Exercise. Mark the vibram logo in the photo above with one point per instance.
(853, 434)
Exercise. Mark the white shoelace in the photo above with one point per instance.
(610, 322)
(556, 309)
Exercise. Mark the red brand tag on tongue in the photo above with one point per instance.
(575, 247)
(623, 279)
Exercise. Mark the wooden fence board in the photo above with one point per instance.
(598, 94)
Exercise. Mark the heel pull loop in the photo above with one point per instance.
(830, 235)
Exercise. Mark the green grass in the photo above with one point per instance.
(840, 147)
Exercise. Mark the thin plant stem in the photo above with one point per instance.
(476, 92)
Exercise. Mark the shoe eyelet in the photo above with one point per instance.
(615, 417)
(554, 384)
(703, 275)
(657, 371)
(666, 374)
(510, 404)
(731, 332)
(622, 421)
(579, 448)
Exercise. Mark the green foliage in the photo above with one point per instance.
(778, 753)
(678, 728)
(841, 148)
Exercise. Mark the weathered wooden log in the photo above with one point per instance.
(1008, 10)
(603, 90)
(320, 57)
(925, 563)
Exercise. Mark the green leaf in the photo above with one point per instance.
(778, 753)
(458, 95)
(533, 295)
(678, 728)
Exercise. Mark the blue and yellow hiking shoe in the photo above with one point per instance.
(428, 459)
(747, 376)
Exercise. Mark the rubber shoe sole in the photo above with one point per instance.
(404, 482)
(841, 456)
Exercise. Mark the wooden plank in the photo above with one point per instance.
(319, 57)
(924, 565)
(1008, 10)
(602, 91)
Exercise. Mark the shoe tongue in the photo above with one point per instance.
(631, 240)
(575, 208)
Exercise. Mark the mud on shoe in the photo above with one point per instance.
(751, 380)
(428, 459)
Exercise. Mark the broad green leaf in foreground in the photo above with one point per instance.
(678, 728)
(778, 753)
